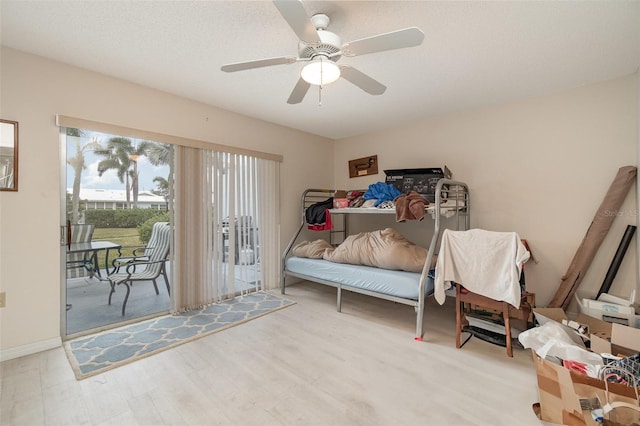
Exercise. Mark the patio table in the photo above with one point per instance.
(91, 250)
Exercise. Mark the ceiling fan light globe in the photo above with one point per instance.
(320, 71)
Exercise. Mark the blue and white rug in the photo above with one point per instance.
(95, 354)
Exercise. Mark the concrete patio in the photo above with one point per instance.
(89, 297)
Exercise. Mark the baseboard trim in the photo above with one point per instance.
(31, 348)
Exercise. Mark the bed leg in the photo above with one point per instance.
(419, 318)
(339, 299)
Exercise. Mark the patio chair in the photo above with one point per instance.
(140, 253)
(79, 264)
(145, 269)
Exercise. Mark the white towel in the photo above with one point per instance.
(484, 262)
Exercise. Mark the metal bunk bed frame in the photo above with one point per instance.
(457, 195)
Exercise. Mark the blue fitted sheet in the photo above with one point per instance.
(394, 283)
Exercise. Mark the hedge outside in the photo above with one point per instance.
(129, 218)
(144, 230)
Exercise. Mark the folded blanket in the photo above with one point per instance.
(410, 206)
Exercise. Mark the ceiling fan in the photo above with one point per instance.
(321, 49)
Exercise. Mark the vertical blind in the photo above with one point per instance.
(226, 210)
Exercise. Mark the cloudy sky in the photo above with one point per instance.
(109, 179)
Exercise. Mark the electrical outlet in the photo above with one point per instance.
(3, 299)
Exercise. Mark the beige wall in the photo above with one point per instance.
(33, 91)
(540, 167)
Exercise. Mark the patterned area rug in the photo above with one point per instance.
(95, 354)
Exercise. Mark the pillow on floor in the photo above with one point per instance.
(311, 249)
(386, 249)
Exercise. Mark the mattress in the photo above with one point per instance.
(393, 283)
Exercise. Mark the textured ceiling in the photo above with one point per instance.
(474, 53)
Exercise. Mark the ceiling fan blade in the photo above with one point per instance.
(298, 93)
(296, 16)
(240, 66)
(407, 37)
(362, 80)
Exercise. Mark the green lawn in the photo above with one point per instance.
(127, 237)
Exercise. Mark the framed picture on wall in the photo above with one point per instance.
(8, 155)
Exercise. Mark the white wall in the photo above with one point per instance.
(540, 167)
(34, 90)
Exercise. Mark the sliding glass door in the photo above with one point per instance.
(221, 211)
(115, 189)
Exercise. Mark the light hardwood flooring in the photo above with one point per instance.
(303, 365)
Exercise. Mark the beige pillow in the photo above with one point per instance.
(386, 249)
(312, 249)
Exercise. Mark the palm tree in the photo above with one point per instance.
(78, 164)
(159, 154)
(122, 156)
(162, 188)
(135, 175)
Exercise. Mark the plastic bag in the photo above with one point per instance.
(551, 339)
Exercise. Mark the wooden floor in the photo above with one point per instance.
(302, 365)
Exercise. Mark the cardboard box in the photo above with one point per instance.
(422, 181)
(617, 337)
(561, 390)
(537, 410)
